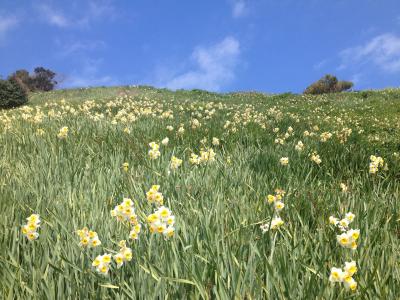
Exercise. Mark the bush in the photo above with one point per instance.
(328, 84)
(12, 94)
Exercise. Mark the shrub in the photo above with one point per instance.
(12, 94)
(328, 84)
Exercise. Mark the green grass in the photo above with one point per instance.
(219, 250)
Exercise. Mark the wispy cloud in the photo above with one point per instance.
(54, 17)
(6, 24)
(88, 12)
(88, 76)
(382, 51)
(239, 8)
(321, 64)
(74, 47)
(213, 67)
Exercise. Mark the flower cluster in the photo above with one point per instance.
(162, 221)
(134, 234)
(315, 158)
(125, 166)
(343, 135)
(325, 136)
(277, 199)
(284, 161)
(204, 157)
(63, 133)
(194, 159)
(345, 275)
(207, 155)
(154, 152)
(195, 123)
(165, 141)
(30, 229)
(348, 238)
(375, 163)
(125, 212)
(124, 254)
(276, 221)
(88, 238)
(299, 146)
(154, 196)
(175, 163)
(102, 263)
(344, 187)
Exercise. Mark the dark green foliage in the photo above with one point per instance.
(328, 84)
(12, 94)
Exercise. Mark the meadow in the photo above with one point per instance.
(255, 195)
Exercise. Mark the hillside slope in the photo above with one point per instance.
(250, 182)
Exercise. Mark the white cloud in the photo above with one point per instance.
(239, 8)
(54, 17)
(383, 51)
(6, 24)
(214, 67)
(89, 11)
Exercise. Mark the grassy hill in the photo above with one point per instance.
(223, 244)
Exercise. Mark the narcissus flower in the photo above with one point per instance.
(175, 163)
(284, 161)
(154, 152)
(125, 166)
(162, 222)
(376, 163)
(300, 146)
(348, 238)
(207, 155)
(134, 234)
(343, 187)
(315, 158)
(124, 254)
(63, 133)
(102, 263)
(165, 141)
(88, 238)
(30, 229)
(125, 212)
(194, 159)
(155, 196)
(274, 224)
(345, 276)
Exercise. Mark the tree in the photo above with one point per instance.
(328, 84)
(43, 79)
(23, 79)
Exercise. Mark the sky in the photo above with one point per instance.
(271, 46)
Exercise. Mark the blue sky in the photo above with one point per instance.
(219, 45)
